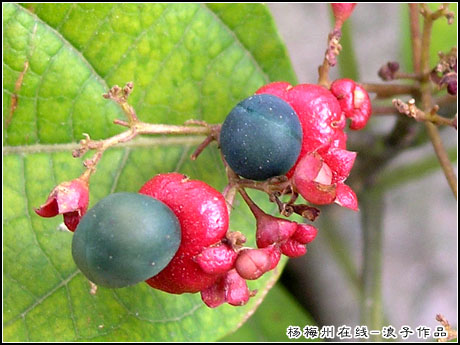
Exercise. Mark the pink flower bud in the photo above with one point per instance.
(217, 259)
(69, 199)
(236, 289)
(214, 295)
(341, 12)
(354, 101)
(293, 249)
(272, 230)
(305, 233)
(231, 288)
(252, 263)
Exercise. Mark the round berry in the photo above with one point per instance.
(124, 239)
(261, 137)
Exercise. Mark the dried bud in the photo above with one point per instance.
(69, 199)
(387, 72)
(354, 101)
(217, 259)
(450, 79)
(341, 12)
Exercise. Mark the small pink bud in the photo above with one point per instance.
(293, 249)
(230, 288)
(274, 253)
(354, 101)
(69, 199)
(236, 289)
(305, 233)
(214, 295)
(252, 263)
(217, 259)
(341, 12)
(272, 230)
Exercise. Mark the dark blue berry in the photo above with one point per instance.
(261, 137)
(124, 239)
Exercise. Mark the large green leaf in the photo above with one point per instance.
(270, 322)
(187, 61)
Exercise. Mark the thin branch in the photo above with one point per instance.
(432, 131)
(390, 90)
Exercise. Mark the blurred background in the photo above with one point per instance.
(419, 217)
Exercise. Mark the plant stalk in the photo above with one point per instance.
(372, 210)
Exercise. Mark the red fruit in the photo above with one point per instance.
(69, 199)
(354, 100)
(341, 12)
(319, 113)
(203, 216)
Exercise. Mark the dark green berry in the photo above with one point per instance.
(124, 239)
(261, 137)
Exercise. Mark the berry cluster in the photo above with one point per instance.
(324, 163)
(174, 234)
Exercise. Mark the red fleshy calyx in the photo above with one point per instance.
(231, 288)
(305, 233)
(293, 249)
(217, 259)
(319, 179)
(70, 199)
(203, 216)
(354, 101)
(272, 230)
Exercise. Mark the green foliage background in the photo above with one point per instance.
(187, 61)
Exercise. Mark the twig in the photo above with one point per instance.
(432, 131)
(411, 110)
(390, 90)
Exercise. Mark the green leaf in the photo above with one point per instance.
(186, 61)
(278, 311)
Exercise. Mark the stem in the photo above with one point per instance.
(415, 36)
(443, 157)
(389, 90)
(372, 210)
(432, 131)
